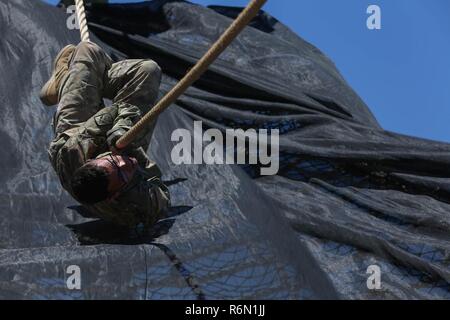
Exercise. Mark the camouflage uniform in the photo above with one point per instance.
(82, 125)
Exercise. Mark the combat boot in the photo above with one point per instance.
(49, 92)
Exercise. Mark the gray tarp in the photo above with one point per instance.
(348, 195)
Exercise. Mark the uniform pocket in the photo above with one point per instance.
(105, 119)
(59, 142)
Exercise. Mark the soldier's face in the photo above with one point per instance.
(121, 170)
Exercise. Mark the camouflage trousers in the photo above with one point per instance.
(93, 76)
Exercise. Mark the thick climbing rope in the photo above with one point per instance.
(193, 75)
(82, 21)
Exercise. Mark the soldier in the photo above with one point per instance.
(123, 186)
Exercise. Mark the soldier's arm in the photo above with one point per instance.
(127, 116)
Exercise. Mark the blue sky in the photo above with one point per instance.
(401, 71)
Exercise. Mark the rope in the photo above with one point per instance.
(82, 21)
(194, 74)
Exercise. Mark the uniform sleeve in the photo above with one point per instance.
(127, 116)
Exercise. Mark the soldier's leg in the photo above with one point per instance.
(135, 82)
(81, 92)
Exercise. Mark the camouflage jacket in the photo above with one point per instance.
(144, 200)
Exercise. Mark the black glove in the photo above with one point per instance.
(113, 138)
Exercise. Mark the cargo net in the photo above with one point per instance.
(392, 225)
(406, 251)
(237, 262)
(225, 269)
